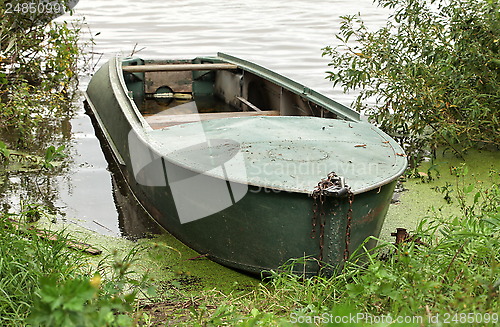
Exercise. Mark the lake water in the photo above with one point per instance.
(285, 36)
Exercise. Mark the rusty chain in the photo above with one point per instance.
(314, 217)
(322, 222)
(318, 195)
(348, 226)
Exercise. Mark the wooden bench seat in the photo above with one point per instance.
(162, 121)
(177, 67)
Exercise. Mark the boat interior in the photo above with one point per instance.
(169, 93)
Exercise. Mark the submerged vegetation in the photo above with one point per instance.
(430, 76)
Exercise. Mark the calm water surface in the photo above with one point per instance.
(285, 36)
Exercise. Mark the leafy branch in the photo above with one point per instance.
(430, 76)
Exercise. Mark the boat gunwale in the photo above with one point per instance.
(295, 87)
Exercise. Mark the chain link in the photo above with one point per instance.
(348, 226)
(315, 217)
(322, 221)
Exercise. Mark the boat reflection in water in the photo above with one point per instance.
(133, 220)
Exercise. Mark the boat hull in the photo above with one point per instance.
(265, 228)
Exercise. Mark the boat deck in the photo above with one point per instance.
(177, 92)
(282, 153)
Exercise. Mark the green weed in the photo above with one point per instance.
(53, 154)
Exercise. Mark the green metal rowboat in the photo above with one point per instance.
(243, 164)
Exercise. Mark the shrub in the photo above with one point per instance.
(433, 70)
(38, 61)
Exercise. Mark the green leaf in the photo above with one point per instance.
(355, 289)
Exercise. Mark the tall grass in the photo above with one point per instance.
(43, 283)
(24, 259)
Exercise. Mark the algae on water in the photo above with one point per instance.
(436, 189)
